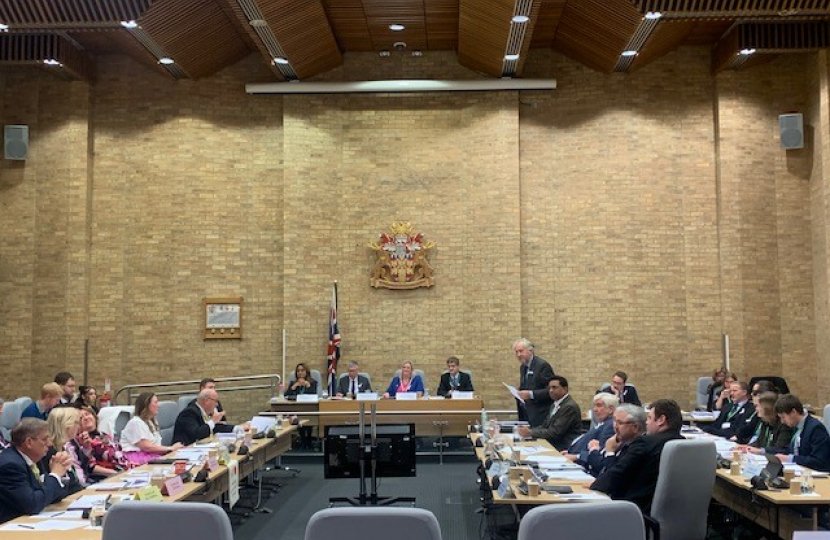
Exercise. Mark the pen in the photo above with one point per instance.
(58, 514)
(25, 526)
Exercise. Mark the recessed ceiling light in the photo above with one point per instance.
(129, 25)
(629, 53)
(747, 52)
(397, 27)
(520, 19)
(52, 62)
(417, 53)
(166, 61)
(384, 54)
(511, 57)
(653, 15)
(280, 60)
(258, 23)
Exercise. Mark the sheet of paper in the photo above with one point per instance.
(46, 525)
(88, 501)
(263, 423)
(574, 476)
(592, 496)
(61, 514)
(513, 391)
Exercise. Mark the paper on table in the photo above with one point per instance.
(592, 496)
(576, 476)
(263, 423)
(88, 501)
(62, 514)
(513, 391)
(45, 525)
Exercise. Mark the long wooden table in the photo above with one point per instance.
(260, 452)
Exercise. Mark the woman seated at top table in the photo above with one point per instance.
(303, 383)
(407, 382)
(141, 438)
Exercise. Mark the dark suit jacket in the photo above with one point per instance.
(465, 384)
(814, 449)
(302, 389)
(597, 462)
(774, 439)
(362, 385)
(634, 475)
(20, 492)
(191, 426)
(737, 416)
(600, 432)
(535, 376)
(563, 427)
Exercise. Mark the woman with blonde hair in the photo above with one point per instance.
(62, 425)
(141, 437)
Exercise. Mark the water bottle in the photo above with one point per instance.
(807, 484)
(483, 419)
(238, 433)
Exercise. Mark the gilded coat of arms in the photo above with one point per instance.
(402, 259)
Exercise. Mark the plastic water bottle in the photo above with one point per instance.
(483, 419)
(238, 433)
(807, 484)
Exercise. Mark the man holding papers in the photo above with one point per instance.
(534, 375)
(200, 419)
(22, 489)
(564, 420)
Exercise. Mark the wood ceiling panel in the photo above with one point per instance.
(123, 42)
(707, 32)
(664, 39)
(303, 31)
(596, 32)
(482, 34)
(65, 14)
(441, 24)
(550, 13)
(197, 34)
(348, 21)
(414, 35)
(393, 8)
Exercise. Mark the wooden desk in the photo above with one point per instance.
(260, 452)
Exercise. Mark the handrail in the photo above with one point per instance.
(274, 382)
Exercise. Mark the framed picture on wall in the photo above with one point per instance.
(223, 318)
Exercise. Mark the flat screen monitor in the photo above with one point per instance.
(395, 451)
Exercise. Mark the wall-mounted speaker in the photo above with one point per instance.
(16, 142)
(792, 131)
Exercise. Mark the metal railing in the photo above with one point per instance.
(188, 386)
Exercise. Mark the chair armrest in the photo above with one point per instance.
(652, 527)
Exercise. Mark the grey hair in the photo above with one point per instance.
(353, 363)
(26, 428)
(610, 400)
(635, 414)
(524, 342)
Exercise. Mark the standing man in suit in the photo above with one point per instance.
(737, 415)
(200, 419)
(810, 446)
(535, 373)
(564, 421)
(353, 384)
(634, 475)
(454, 379)
(625, 392)
(22, 490)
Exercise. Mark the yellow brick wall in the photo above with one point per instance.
(620, 222)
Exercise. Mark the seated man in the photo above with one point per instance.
(354, 383)
(633, 476)
(604, 407)
(454, 379)
(629, 423)
(625, 392)
(200, 419)
(22, 490)
(50, 396)
(736, 416)
(564, 420)
(810, 446)
(67, 383)
(210, 384)
(3, 442)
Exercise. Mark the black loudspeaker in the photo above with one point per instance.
(15, 142)
(792, 130)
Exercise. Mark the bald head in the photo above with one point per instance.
(207, 399)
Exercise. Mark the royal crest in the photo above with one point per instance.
(402, 259)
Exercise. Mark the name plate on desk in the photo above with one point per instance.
(213, 464)
(174, 486)
(308, 398)
(457, 394)
(366, 396)
(150, 493)
(406, 396)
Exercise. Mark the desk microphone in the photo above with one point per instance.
(242, 450)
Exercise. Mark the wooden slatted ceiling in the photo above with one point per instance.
(442, 24)
(27, 14)
(348, 21)
(197, 34)
(732, 8)
(664, 39)
(482, 34)
(303, 31)
(544, 31)
(121, 41)
(707, 32)
(596, 32)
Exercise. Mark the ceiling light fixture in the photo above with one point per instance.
(747, 52)
(52, 62)
(166, 61)
(520, 19)
(653, 15)
(397, 27)
(417, 54)
(628, 53)
(129, 25)
(511, 57)
(258, 23)
(280, 60)
(384, 54)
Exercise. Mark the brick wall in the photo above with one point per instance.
(620, 222)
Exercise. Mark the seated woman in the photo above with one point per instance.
(87, 397)
(719, 391)
(103, 452)
(407, 382)
(141, 438)
(772, 434)
(303, 383)
(62, 426)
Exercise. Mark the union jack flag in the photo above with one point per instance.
(334, 343)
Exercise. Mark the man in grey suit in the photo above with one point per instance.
(534, 375)
(354, 383)
(564, 420)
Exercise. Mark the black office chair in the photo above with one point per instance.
(778, 382)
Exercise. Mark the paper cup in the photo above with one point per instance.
(735, 468)
(515, 473)
(533, 488)
(795, 487)
(789, 475)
